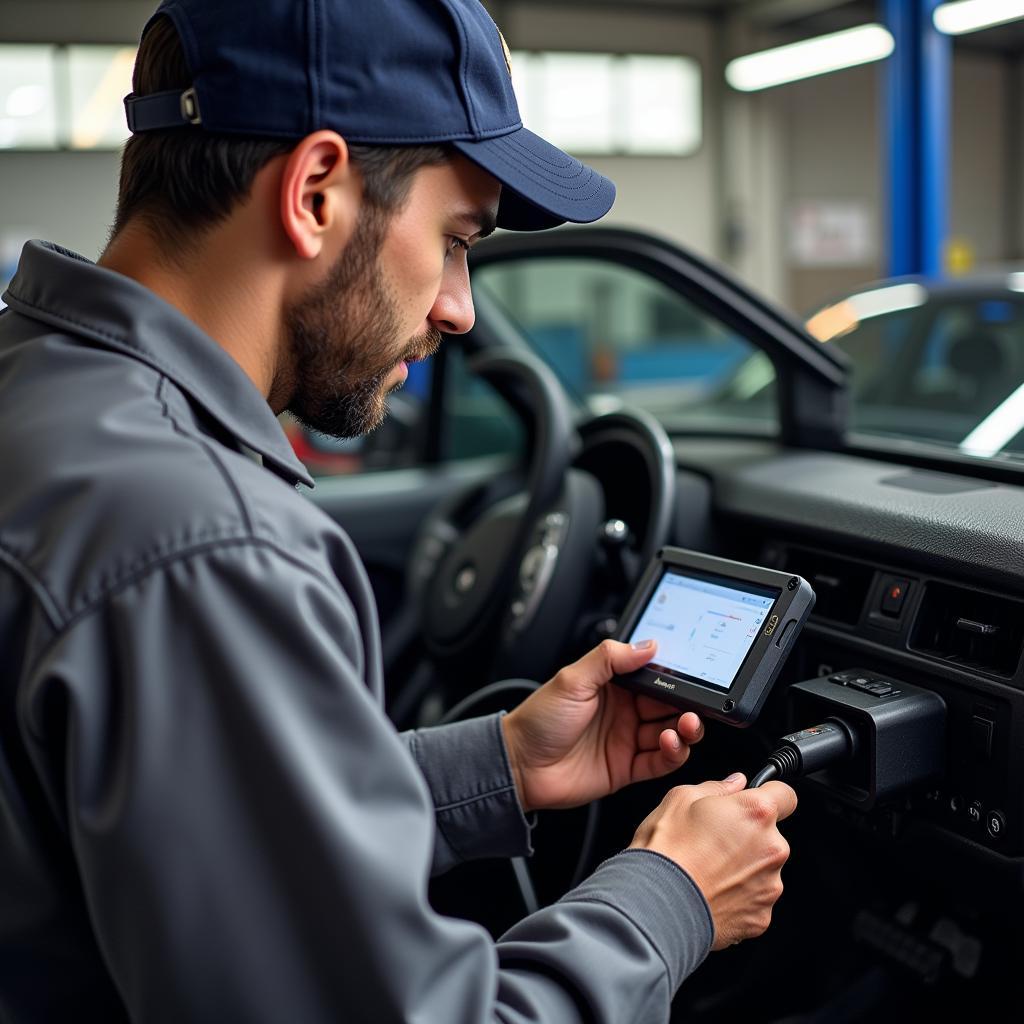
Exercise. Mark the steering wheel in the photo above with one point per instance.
(511, 575)
(502, 571)
(477, 560)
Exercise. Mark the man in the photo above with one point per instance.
(204, 814)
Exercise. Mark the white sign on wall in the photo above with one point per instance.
(831, 233)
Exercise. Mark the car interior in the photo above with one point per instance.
(506, 527)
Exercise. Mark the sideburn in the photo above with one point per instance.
(342, 340)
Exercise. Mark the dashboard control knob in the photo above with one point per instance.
(615, 538)
(614, 533)
(465, 580)
(995, 824)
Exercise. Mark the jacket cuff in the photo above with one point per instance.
(467, 769)
(663, 903)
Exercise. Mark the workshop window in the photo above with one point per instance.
(611, 104)
(64, 97)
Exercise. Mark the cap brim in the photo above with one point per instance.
(543, 186)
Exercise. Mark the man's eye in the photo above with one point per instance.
(455, 244)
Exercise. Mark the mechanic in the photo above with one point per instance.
(205, 814)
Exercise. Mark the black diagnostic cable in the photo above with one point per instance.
(809, 750)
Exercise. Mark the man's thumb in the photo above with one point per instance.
(723, 787)
(618, 658)
(609, 658)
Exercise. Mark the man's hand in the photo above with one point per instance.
(579, 738)
(725, 838)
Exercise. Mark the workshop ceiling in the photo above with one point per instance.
(795, 17)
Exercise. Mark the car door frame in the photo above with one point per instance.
(813, 380)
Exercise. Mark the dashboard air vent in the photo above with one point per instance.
(841, 586)
(970, 628)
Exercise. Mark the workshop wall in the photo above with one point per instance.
(767, 159)
(979, 178)
(676, 196)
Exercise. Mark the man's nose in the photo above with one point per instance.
(453, 311)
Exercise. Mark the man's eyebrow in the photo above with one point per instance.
(483, 218)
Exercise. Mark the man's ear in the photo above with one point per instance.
(320, 193)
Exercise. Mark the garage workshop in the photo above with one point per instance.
(511, 511)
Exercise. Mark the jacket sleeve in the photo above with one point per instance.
(476, 807)
(254, 840)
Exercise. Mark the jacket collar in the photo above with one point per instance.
(66, 290)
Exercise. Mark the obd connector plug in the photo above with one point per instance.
(809, 750)
(879, 738)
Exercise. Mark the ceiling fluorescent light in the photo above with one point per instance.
(971, 15)
(810, 57)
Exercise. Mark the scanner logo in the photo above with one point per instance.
(772, 623)
(663, 684)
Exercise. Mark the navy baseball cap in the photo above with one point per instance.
(378, 72)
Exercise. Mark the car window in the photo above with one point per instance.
(476, 421)
(616, 336)
(946, 370)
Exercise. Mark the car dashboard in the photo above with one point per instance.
(919, 575)
(920, 580)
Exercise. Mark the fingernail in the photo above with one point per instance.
(735, 777)
(677, 743)
(642, 645)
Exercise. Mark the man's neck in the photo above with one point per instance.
(209, 285)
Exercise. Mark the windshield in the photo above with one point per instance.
(937, 363)
(943, 364)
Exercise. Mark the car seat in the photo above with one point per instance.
(982, 370)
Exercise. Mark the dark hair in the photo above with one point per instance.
(183, 181)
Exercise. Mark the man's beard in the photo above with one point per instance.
(343, 340)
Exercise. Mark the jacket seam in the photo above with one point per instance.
(414, 749)
(125, 345)
(165, 562)
(55, 614)
(443, 826)
(207, 448)
(454, 805)
(121, 339)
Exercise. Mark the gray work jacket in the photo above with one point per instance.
(204, 813)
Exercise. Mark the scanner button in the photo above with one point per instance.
(863, 684)
(787, 632)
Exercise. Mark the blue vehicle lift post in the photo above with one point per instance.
(917, 98)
